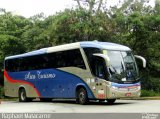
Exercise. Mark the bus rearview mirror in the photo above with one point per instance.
(141, 58)
(105, 57)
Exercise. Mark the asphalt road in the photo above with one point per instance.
(120, 106)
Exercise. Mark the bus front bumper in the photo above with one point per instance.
(124, 91)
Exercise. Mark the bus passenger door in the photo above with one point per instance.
(99, 71)
(98, 67)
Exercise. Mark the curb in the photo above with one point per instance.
(143, 98)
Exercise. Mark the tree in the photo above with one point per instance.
(80, 25)
(11, 29)
(93, 6)
(132, 23)
(138, 26)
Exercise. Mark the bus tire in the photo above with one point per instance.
(22, 95)
(102, 100)
(111, 101)
(82, 97)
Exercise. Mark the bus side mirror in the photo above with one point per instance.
(141, 58)
(105, 57)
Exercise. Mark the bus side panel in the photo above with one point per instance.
(83, 75)
(53, 83)
(63, 85)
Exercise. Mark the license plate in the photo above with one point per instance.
(128, 94)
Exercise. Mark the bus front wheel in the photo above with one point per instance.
(111, 101)
(82, 97)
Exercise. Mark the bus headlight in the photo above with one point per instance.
(139, 87)
(114, 87)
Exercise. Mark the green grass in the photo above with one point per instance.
(8, 99)
(149, 93)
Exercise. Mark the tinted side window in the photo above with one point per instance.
(12, 65)
(90, 51)
(70, 58)
(89, 54)
(97, 64)
(98, 67)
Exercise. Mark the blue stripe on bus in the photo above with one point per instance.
(103, 45)
(52, 82)
(125, 85)
(32, 53)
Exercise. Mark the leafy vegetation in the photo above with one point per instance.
(149, 93)
(133, 23)
(1, 92)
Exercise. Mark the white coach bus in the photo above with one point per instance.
(83, 71)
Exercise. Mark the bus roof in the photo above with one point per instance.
(84, 44)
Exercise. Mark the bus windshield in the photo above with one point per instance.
(122, 66)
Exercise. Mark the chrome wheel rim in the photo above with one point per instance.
(22, 95)
(81, 97)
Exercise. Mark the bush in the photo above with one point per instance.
(1, 92)
(151, 84)
(149, 93)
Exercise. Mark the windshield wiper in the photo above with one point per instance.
(115, 71)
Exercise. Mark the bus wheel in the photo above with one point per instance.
(82, 97)
(22, 95)
(111, 101)
(102, 100)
